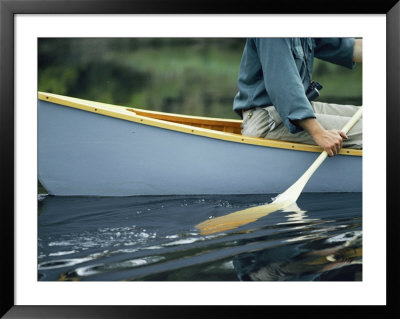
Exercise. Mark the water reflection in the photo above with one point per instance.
(304, 262)
(296, 216)
(313, 253)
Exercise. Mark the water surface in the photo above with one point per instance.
(151, 238)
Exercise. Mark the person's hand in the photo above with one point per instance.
(330, 140)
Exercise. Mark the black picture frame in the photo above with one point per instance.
(8, 10)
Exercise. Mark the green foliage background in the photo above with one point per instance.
(196, 76)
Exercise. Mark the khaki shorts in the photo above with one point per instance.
(265, 122)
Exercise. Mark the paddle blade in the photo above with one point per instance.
(239, 218)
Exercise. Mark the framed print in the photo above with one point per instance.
(125, 263)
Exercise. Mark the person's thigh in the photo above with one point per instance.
(334, 109)
(328, 122)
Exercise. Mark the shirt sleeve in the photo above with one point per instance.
(336, 50)
(282, 81)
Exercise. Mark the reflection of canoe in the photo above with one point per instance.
(91, 148)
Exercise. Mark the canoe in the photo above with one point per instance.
(87, 148)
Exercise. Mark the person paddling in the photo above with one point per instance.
(276, 92)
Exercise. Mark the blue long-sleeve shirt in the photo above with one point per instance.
(273, 72)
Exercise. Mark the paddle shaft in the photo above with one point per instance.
(293, 192)
(354, 119)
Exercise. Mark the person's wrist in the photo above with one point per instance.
(316, 131)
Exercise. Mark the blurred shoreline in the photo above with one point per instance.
(194, 76)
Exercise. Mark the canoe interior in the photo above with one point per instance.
(230, 126)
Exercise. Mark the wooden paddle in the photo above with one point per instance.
(283, 200)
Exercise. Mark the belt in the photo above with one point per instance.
(249, 109)
(254, 107)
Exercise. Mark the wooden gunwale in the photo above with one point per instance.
(223, 129)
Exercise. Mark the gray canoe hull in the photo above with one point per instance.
(88, 154)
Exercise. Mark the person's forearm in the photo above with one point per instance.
(357, 52)
(312, 126)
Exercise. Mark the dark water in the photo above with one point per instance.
(155, 239)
